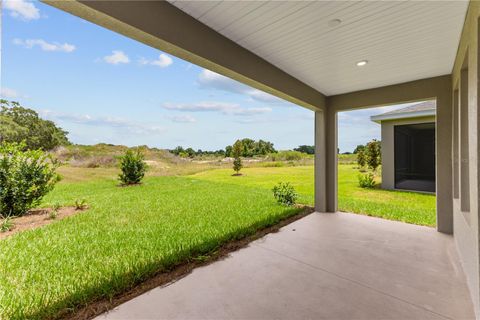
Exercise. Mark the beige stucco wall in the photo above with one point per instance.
(388, 154)
(466, 223)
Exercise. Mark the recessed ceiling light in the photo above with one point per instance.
(362, 63)
(334, 23)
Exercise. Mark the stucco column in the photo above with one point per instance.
(443, 141)
(325, 161)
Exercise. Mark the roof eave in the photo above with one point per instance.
(406, 115)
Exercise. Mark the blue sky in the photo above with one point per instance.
(103, 87)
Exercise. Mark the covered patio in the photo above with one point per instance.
(324, 266)
(332, 56)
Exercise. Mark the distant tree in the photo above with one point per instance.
(361, 159)
(178, 150)
(228, 151)
(19, 124)
(358, 148)
(190, 152)
(263, 147)
(237, 150)
(252, 148)
(373, 154)
(305, 149)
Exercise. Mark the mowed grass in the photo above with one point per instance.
(127, 235)
(410, 207)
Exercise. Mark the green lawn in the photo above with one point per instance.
(127, 235)
(416, 208)
(131, 233)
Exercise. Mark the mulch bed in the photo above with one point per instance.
(165, 278)
(36, 218)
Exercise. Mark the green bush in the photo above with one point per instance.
(133, 167)
(366, 180)
(287, 156)
(25, 177)
(285, 193)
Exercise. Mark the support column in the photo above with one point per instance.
(443, 141)
(326, 161)
(320, 162)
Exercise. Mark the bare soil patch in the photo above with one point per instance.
(38, 217)
(98, 307)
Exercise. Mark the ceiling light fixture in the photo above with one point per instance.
(334, 23)
(362, 63)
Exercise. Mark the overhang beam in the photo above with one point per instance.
(161, 25)
(413, 91)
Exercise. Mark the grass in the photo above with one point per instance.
(127, 235)
(410, 207)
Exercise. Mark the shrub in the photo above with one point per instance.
(285, 194)
(133, 167)
(366, 180)
(25, 178)
(237, 152)
(287, 156)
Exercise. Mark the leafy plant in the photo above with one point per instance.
(25, 178)
(6, 224)
(366, 180)
(53, 214)
(80, 204)
(133, 167)
(285, 193)
(237, 152)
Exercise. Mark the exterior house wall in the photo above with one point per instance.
(388, 148)
(466, 222)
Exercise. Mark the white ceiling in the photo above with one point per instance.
(402, 40)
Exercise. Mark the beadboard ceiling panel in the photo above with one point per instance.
(401, 40)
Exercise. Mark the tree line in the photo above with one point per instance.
(19, 124)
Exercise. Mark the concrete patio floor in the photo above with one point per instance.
(324, 266)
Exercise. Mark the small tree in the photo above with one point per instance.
(25, 178)
(361, 160)
(237, 151)
(133, 167)
(373, 156)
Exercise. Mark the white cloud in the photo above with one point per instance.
(163, 61)
(112, 122)
(44, 45)
(8, 93)
(184, 118)
(22, 9)
(212, 80)
(117, 57)
(222, 107)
